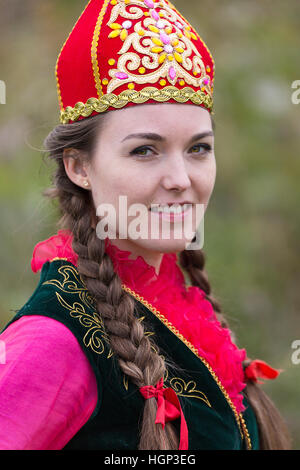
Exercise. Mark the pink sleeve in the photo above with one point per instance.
(48, 389)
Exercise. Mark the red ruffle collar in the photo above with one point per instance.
(185, 307)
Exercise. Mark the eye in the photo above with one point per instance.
(141, 151)
(206, 148)
(144, 150)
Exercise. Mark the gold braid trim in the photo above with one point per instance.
(100, 105)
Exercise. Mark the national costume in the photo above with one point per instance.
(123, 53)
(215, 418)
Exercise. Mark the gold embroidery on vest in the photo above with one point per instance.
(73, 283)
(125, 382)
(73, 286)
(185, 389)
(188, 389)
(93, 322)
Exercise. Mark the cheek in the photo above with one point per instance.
(108, 189)
(205, 179)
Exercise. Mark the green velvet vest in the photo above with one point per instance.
(212, 420)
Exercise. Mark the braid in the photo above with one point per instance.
(137, 354)
(127, 337)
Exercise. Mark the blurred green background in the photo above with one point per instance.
(252, 226)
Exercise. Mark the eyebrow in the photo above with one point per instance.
(159, 138)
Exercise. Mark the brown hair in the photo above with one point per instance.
(137, 354)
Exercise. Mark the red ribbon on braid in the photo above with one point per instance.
(260, 369)
(168, 408)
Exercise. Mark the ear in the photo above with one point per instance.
(75, 166)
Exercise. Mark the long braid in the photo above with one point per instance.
(273, 431)
(127, 337)
(137, 354)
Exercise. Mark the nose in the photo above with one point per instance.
(176, 175)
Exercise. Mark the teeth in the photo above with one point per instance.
(171, 209)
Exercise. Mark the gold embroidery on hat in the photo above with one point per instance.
(134, 12)
(152, 49)
(198, 37)
(144, 39)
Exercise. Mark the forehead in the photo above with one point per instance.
(163, 118)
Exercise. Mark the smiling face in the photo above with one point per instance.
(154, 154)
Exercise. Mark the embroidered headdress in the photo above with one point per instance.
(127, 52)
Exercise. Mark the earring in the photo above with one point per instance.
(86, 183)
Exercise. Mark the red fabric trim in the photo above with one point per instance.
(260, 369)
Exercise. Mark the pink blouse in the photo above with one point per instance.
(48, 389)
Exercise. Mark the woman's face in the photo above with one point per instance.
(153, 154)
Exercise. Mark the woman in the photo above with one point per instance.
(114, 350)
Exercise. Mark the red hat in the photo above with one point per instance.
(127, 52)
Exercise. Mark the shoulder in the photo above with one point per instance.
(41, 335)
(61, 295)
(60, 275)
(46, 347)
